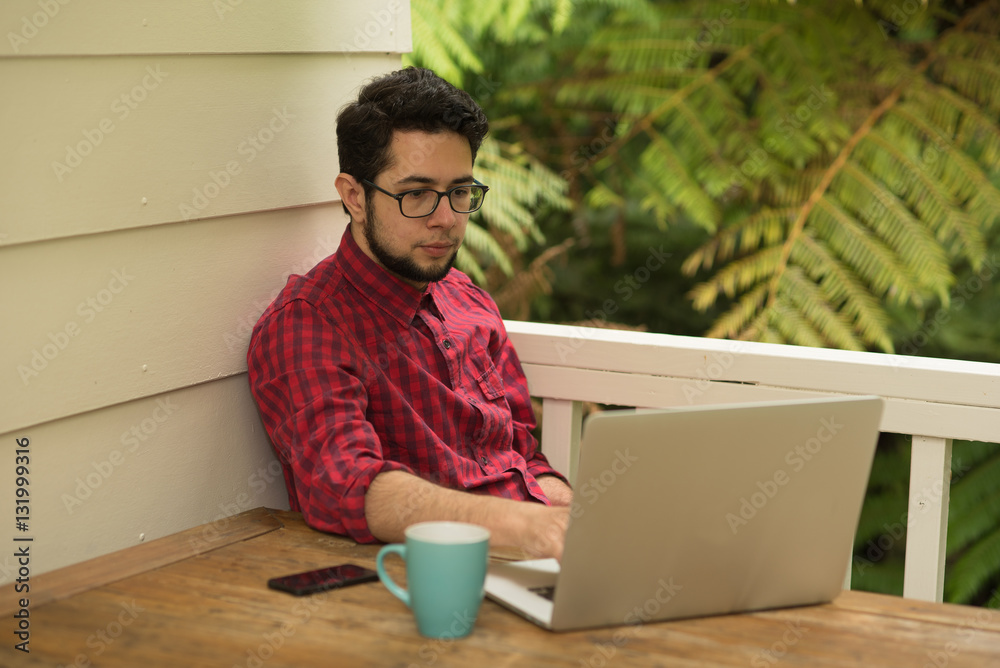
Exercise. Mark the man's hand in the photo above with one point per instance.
(544, 531)
(396, 499)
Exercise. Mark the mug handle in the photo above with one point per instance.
(395, 548)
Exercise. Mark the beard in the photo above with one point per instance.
(403, 266)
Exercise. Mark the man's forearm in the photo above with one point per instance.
(559, 493)
(396, 499)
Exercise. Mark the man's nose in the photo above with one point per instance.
(443, 215)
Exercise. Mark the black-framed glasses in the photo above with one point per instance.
(422, 202)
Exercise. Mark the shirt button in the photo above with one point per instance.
(446, 344)
(484, 461)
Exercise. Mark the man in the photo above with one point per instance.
(384, 377)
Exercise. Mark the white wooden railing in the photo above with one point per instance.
(934, 400)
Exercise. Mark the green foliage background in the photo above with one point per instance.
(821, 173)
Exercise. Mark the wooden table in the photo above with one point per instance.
(199, 598)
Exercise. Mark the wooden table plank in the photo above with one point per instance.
(140, 558)
(213, 608)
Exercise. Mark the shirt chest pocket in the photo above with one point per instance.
(490, 383)
(487, 377)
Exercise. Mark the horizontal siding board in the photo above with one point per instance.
(103, 319)
(147, 467)
(211, 136)
(103, 27)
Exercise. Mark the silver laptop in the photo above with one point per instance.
(703, 511)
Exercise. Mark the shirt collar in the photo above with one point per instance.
(390, 293)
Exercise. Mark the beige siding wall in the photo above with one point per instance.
(163, 167)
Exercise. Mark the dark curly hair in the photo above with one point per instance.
(413, 98)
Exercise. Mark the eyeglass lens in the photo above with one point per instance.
(464, 199)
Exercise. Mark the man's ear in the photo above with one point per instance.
(352, 193)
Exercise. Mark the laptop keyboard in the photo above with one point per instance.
(545, 592)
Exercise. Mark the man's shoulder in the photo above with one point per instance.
(457, 285)
(317, 289)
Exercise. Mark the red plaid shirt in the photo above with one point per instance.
(356, 372)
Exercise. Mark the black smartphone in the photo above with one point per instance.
(333, 577)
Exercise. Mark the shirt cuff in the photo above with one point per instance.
(539, 466)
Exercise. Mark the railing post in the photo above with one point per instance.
(561, 434)
(927, 518)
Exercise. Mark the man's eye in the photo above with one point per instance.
(460, 192)
(416, 194)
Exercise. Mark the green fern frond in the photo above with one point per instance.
(978, 80)
(979, 565)
(481, 249)
(669, 172)
(740, 275)
(766, 227)
(891, 221)
(787, 322)
(842, 288)
(739, 316)
(871, 258)
(603, 197)
(874, 524)
(831, 327)
(438, 45)
(975, 504)
(519, 185)
(958, 172)
(974, 131)
(925, 195)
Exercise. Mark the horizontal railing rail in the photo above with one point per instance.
(932, 400)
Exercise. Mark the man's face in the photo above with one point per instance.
(418, 250)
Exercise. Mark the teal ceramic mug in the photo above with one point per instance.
(445, 572)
